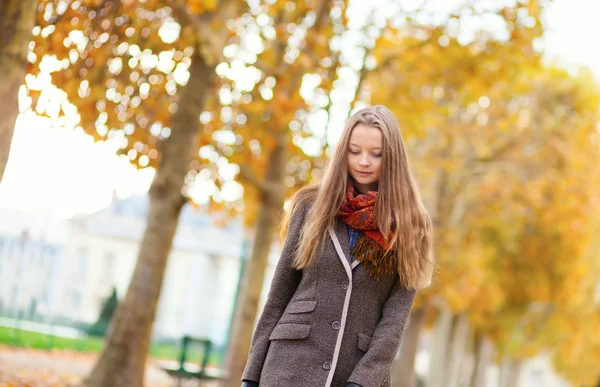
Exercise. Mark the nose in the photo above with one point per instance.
(364, 161)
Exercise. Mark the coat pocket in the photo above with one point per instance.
(290, 331)
(363, 342)
(301, 306)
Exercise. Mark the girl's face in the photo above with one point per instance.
(364, 157)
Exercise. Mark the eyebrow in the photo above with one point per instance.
(377, 147)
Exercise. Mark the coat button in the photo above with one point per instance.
(345, 285)
(335, 325)
(327, 365)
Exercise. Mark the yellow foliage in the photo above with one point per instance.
(201, 6)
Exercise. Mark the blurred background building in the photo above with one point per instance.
(61, 271)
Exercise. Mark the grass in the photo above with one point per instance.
(28, 339)
(21, 338)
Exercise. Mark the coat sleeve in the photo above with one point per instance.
(375, 365)
(284, 284)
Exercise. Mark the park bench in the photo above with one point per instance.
(187, 370)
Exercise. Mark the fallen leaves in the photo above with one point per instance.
(26, 367)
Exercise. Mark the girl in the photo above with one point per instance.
(358, 247)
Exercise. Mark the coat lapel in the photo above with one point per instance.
(341, 231)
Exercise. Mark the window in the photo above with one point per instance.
(75, 298)
(82, 263)
(108, 265)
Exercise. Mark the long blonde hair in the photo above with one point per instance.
(398, 202)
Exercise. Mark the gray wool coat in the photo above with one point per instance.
(328, 324)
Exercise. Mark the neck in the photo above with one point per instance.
(364, 188)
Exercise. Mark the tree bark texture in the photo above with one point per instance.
(17, 18)
(403, 368)
(254, 272)
(484, 351)
(510, 372)
(122, 361)
(455, 354)
(441, 341)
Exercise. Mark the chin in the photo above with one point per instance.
(364, 180)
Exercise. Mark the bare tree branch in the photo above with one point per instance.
(208, 41)
(251, 178)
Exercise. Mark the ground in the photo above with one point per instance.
(42, 368)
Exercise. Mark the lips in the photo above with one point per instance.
(363, 173)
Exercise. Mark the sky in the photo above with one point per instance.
(62, 170)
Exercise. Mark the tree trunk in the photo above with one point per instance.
(456, 350)
(272, 197)
(17, 18)
(441, 342)
(403, 368)
(123, 358)
(510, 372)
(484, 350)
